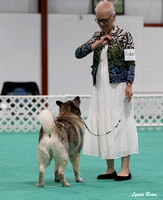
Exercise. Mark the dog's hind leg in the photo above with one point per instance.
(75, 164)
(41, 176)
(61, 168)
(44, 159)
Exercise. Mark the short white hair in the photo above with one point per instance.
(107, 6)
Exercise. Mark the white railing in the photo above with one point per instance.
(19, 113)
(148, 109)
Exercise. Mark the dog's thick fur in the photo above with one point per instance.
(60, 139)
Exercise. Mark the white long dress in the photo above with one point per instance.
(107, 106)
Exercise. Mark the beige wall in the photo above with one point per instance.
(20, 49)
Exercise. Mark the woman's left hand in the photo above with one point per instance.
(128, 91)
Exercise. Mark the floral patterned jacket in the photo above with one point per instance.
(120, 70)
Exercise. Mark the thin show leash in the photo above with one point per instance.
(108, 132)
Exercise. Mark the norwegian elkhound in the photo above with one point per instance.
(60, 139)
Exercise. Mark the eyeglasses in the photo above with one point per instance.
(102, 20)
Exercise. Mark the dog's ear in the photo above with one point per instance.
(77, 101)
(59, 103)
(75, 107)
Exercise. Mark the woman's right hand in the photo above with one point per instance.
(102, 42)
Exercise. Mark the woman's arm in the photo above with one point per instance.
(91, 45)
(83, 50)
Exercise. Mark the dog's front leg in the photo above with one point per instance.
(56, 176)
(41, 176)
(75, 164)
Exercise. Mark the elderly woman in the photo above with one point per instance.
(111, 117)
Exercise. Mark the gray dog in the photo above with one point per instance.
(60, 139)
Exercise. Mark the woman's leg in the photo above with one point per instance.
(110, 173)
(110, 166)
(125, 166)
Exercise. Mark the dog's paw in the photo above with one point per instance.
(40, 185)
(79, 179)
(56, 180)
(66, 184)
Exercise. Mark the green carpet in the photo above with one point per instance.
(19, 172)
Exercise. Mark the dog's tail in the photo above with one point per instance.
(46, 120)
